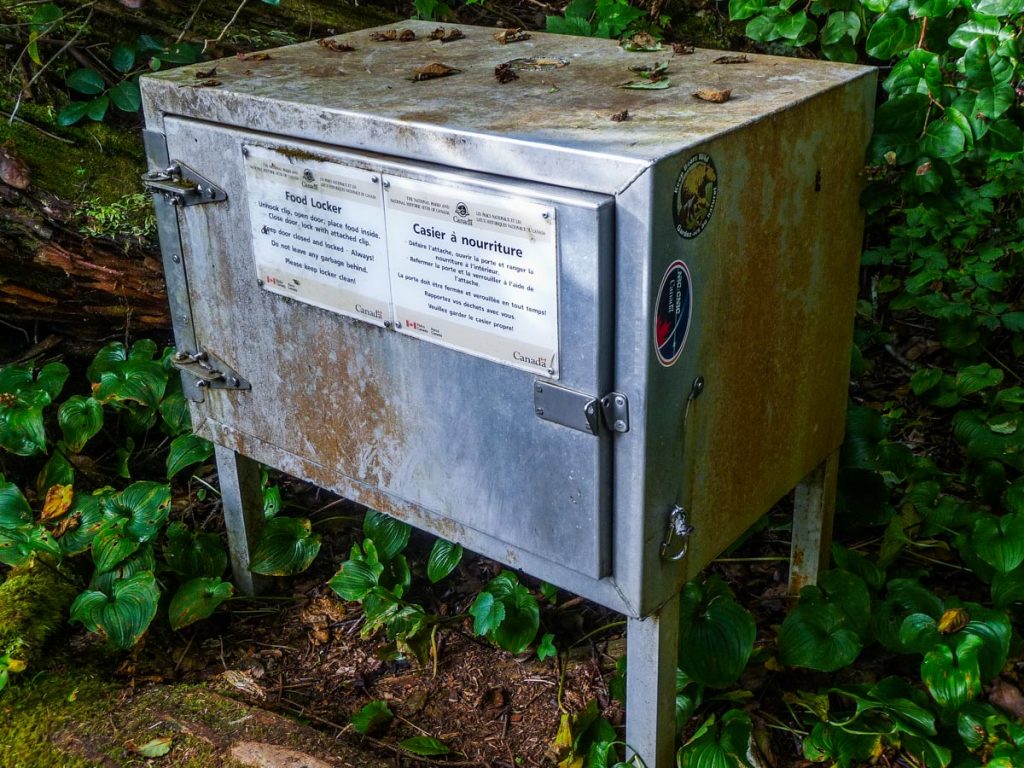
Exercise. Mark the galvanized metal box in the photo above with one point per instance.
(540, 317)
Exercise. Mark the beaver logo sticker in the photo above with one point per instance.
(694, 196)
(672, 313)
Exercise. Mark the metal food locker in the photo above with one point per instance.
(590, 331)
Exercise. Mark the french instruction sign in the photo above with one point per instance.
(464, 269)
(318, 232)
(475, 272)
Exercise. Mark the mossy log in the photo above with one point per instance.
(77, 251)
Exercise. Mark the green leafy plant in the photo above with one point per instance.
(506, 613)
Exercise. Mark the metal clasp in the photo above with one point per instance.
(210, 373)
(677, 533)
(180, 185)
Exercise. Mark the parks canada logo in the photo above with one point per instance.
(694, 196)
(462, 215)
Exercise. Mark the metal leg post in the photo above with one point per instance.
(813, 509)
(652, 647)
(243, 514)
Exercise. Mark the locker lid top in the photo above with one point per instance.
(552, 124)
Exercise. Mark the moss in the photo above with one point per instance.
(34, 712)
(103, 162)
(33, 605)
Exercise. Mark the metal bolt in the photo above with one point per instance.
(540, 411)
(538, 388)
(620, 400)
(180, 355)
(259, 283)
(232, 381)
(374, 179)
(697, 387)
(175, 258)
(387, 324)
(551, 371)
(590, 410)
(545, 215)
(184, 318)
(620, 425)
(202, 383)
(387, 184)
(398, 323)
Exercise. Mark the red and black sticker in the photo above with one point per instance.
(694, 196)
(672, 313)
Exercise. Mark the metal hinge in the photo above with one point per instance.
(677, 535)
(208, 371)
(580, 411)
(180, 185)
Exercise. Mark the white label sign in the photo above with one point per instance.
(469, 270)
(318, 232)
(474, 271)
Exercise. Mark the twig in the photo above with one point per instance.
(53, 136)
(238, 10)
(39, 72)
(189, 22)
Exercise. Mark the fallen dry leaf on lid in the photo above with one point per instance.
(620, 117)
(731, 60)
(393, 34)
(681, 49)
(334, 45)
(433, 71)
(654, 71)
(202, 84)
(205, 74)
(13, 170)
(641, 42)
(535, 63)
(446, 35)
(252, 56)
(511, 35)
(504, 73)
(714, 95)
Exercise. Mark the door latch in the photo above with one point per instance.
(677, 535)
(180, 185)
(209, 372)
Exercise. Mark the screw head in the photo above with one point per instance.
(387, 324)
(697, 387)
(620, 400)
(176, 258)
(259, 283)
(620, 425)
(202, 384)
(374, 179)
(551, 371)
(387, 184)
(540, 411)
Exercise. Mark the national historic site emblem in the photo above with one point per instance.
(693, 200)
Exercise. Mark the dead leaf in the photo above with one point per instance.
(446, 35)
(731, 60)
(493, 698)
(535, 63)
(714, 95)
(66, 524)
(204, 74)
(253, 56)
(58, 501)
(620, 117)
(391, 35)
(504, 73)
(511, 35)
(433, 71)
(334, 45)
(641, 42)
(682, 49)
(653, 71)
(14, 171)
(202, 84)
(953, 620)
(1007, 697)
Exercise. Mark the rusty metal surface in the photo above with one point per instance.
(400, 418)
(552, 125)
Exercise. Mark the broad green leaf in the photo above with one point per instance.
(86, 81)
(519, 613)
(192, 554)
(89, 510)
(904, 597)
(126, 96)
(890, 35)
(976, 27)
(19, 545)
(985, 64)
(98, 108)
(80, 418)
(444, 556)
(818, 637)
(424, 746)
(197, 599)
(918, 633)
(797, 29)
(146, 504)
(943, 138)
(719, 747)
(487, 614)
(137, 381)
(108, 359)
(999, 541)
(287, 546)
(1008, 588)
(844, 748)
(998, 7)
(123, 616)
(14, 508)
(995, 631)
(143, 560)
(951, 674)
(175, 413)
(372, 719)
(716, 634)
(123, 58)
(112, 544)
(932, 8)
(569, 25)
(744, 9)
(156, 747)
(21, 430)
(187, 450)
(840, 25)
(975, 378)
(51, 378)
(389, 535)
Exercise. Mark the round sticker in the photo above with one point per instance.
(694, 196)
(672, 313)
